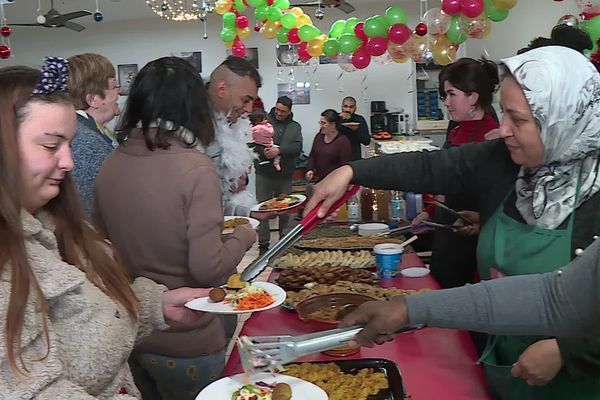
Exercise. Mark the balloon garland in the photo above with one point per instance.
(589, 22)
(436, 38)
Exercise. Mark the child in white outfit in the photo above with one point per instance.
(262, 134)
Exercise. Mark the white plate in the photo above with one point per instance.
(350, 123)
(415, 272)
(300, 197)
(206, 305)
(225, 387)
(253, 222)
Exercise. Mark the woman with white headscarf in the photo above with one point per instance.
(537, 192)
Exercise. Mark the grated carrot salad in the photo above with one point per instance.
(254, 301)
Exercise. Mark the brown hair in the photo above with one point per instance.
(77, 241)
(472, 76)
(88, 74)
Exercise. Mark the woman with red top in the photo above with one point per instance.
(330, 149)
(467, 88)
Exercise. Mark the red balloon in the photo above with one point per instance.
(293, 36)
(242, 22)
(359, 31)
(377, 46)
(257, 28)
(471, 8)
(239, 48)
(421, 29)
(4, 51)
(588, 16)
(5, 31)
(303, 52)
(451, 7)
(361, 58)
(399, 33)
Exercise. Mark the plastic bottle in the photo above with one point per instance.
(397, 207)
(353, 209)
(366, 204)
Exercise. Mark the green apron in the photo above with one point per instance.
(508, 247)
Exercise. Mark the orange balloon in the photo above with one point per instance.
(222, 6)
(303, 20)
(315, 46)
(443, 50)
(270, 29)
(297, 11)
(401, 60)
(504, 4)
(397, 51)
(244, 33)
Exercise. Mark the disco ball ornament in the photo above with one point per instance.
(5, 31)
(203, 18)
(205, 36)
(428, 57)
(319, 14)
(569, 20)
(164, 7)
(4, 51)
(98, 16)
(421, 29)
(40, 19)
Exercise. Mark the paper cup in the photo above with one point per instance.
(388, 257)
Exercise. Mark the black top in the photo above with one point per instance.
(361, 135)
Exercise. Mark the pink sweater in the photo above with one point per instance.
(262, 134)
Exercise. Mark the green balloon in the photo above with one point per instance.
(373, 27)
(252, 3)
(282, 4)
(261, 13)
(383, 21)
(454, 33)
(228, 34)
(229, 19)
(592, 27)
(239, 5)
(282, 36)
(331, 47)
(337, 28)
(288, 20)
(275, 14)
(348, 43)
(395, 15)
(307, 32)
(493, 12)
(350, 24)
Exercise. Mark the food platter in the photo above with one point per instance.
(232, 221)
(280, 203)
(326, 258)
(207, 305)
(297, 278)
(344, 243)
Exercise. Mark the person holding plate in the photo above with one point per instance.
(354, 127)
(158, 199)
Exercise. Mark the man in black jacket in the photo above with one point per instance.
(354, 127)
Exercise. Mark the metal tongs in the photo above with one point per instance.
(304, 226)
(266, 353)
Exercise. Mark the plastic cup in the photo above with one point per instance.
(388, 257)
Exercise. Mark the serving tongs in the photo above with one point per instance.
(267, 353)
(304, 226)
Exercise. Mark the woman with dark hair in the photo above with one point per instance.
(159, 201)
(69, 312)
(330, 149)
(467, 88)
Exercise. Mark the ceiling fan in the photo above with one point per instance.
(54, 19)
(340, 4)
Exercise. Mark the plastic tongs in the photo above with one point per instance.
(304, 226)
(266, 353)
(451, 211)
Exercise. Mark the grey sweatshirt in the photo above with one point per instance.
(565, 302)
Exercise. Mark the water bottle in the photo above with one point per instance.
(353, 209)
(397, 207)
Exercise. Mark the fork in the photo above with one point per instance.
(266, 353)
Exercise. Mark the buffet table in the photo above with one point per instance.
(434, 363)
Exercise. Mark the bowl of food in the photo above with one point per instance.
(325, 311)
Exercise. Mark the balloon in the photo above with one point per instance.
(475, 27)
(281, 4)
(359, 31)
(222, 6)
(228, 34)
(416, 47)
(269, 30)
(493, 12)
(297, 11)
(472, 8)
(288, 20)
(302, 52)
(437, 22)
(592, 27)
(282, 36)
(345, 63)
(451, 7)
(568, 19)
(589, 6)
(349, 43)
(306, 33)
(377, 46)
(395, 15)
(239, 48)
(253, 3)
(351, 24)
(421, 29)
(242, 22)
(382, 20)
(243, 33)
(293, 36)
(337, 29)
(315, 46)
(241, 7)
(228, 44)
(455, 33)
(274, 14)
(397, 51)
(399, 33)
(303, 20)
(261, 13)
(361, 58)
(331, 47)
(229, 19)
(443, 50)
(373, 27)
(507, 4)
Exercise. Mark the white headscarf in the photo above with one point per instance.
(563, 91)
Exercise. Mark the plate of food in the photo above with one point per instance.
(230, 222)
(258, 296)
(262, 386)
(350, 124)
(344, 243)
(280, 203)
(296, 278)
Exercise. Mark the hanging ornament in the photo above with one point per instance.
(5, 31)
(98, 15)
(40, 19)
(421, 29)
(164, 7)
(257, 28)
(5, 51)
(319, 14)
(568, 19)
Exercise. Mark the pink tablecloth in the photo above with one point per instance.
(434, 363)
